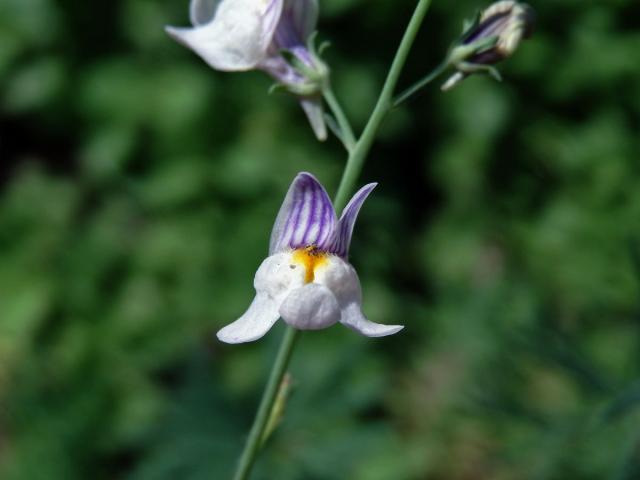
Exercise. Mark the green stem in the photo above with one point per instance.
(420, 84)
(348, 138)
(455, 58)
(352, 169)
(278, 370)
(358, 155)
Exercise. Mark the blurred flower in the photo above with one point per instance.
(493, 36)
(307, 279)
(241, 35)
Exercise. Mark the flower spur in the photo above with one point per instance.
(307, 280)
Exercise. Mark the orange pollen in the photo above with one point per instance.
(310, 258)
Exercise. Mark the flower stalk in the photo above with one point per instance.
(345, 132)
(420, 84)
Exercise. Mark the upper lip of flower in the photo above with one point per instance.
(307, 217)
(326, 289)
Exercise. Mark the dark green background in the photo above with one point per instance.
(138, 189)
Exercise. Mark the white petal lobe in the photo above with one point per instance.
(238, 35)
(257, 320)
(341, 278)
(311, 307)
(278, 275)
(275, 278)
(353, 318)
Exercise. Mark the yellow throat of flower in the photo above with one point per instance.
(310, 258)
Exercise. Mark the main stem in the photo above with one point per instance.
(384, 104)
(352, 169)
(266, 404)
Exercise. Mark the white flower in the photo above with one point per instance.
(241, 35)
(307, 280)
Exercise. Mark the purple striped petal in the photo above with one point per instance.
(305, 218)
(271, 18)
(296, 23)
(342, 240)
(304, 14)
(489, 26)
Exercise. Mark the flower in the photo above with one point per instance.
(241, 35)
(492, 37)
(307, 280)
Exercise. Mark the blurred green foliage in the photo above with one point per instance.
(138, 192)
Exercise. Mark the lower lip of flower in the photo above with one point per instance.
(310, 258)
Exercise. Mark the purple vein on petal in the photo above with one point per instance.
(282, 226)
(301, 199)
(306, 216)
(305, 16)
(291, 220)
(342, 240)
(311, 222)
(302, 219)
(271, 18)
(328, 223)
(327, 220)
(311, 227)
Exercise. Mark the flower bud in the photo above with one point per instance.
(494, 36)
